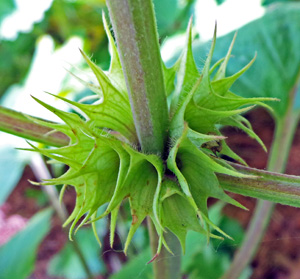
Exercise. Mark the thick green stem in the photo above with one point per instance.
(284, 133)
(279, 188)
(137, 39)
(19, 124)
(135, 31)
(165, 266)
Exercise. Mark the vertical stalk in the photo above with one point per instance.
(137, 40)
(284, 133)
(165, 266)
(135, 31)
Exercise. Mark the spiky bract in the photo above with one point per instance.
(106, 165)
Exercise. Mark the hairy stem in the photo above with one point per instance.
(280, 188)
(137, 40)
(166, 266)
(135, 31)
(22, 125)
(284, 133)
(41, 172)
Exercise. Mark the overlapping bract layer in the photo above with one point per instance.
(106, 167)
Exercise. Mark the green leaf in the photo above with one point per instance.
(276, 39)
(172, 15)
(67, 264)
(137, 267)
(198, 250)
(12, 52)
(208, 265)
(234, 229)
(211, 260)
(219, 2)
(11, 169)
(270, 2)
(6, 7)
(17, 257)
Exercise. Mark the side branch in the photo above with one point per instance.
(18, 124)
(280, 188)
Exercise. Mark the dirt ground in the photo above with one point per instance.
(279, 253)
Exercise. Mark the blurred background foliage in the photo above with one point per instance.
(61, 21)
(276, 38)
(67, 18)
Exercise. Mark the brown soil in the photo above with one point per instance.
(279, 253)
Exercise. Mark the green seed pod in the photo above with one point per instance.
(106, 166)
